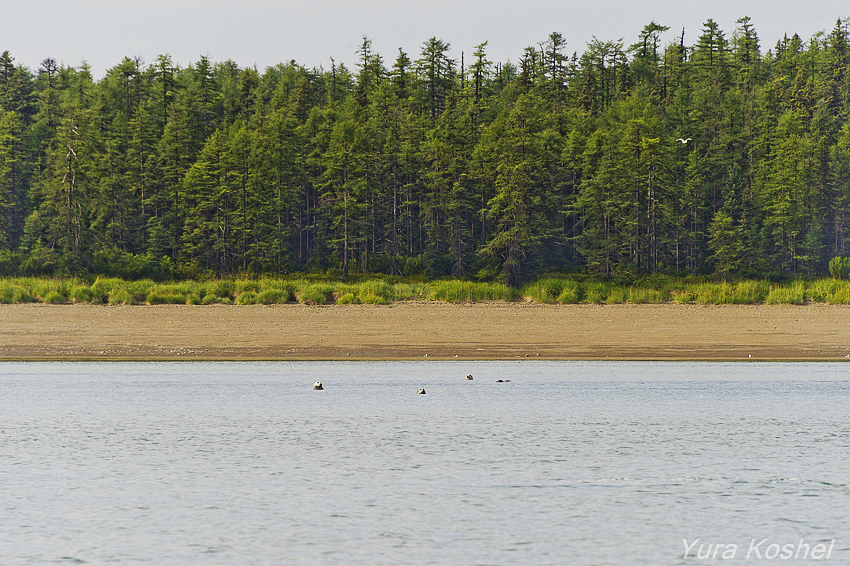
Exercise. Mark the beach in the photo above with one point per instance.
(425, 330)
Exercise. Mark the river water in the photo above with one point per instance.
(568, 463)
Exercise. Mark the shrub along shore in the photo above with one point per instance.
(383, 290)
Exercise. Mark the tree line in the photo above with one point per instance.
(716, 157)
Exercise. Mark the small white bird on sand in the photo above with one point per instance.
(683, 141)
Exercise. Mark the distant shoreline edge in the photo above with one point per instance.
(425, 331)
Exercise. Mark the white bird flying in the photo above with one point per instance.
(683, 141)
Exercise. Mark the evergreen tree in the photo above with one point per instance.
(10, 185)
(64, 194)
(686, 159)
(518, 207)
(435, 74)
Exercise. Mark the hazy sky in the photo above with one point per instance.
(266, 32)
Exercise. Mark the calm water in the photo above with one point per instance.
(570, 463)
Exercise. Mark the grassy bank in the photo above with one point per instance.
(319, 291)
(246, 291)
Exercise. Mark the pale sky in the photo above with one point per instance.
(265, 32)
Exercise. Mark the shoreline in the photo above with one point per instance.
(425, 330)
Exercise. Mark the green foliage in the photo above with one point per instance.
(617, 294)
(140, 289)
(742, 292)
(555, 290)
(375, 292)
(570, 294)
(494, 171)
(53, 297)
(315, 294)
(409, 291)
(242, 286)
(113, 262)
(712, 293)
(595, 293)
(273, 296)
(545, 290)
(247, 298)
(11, 293)
(839, 267)
(838, 293)
(683, 296)
(794, 294)
(346, 299)
(751, 292)
(384, 290)
(224, 288)
(371, 299)
(102, 288)
(121, 297)
(9, 262)
(638, 295)
(453, 291)
(81, 294)
(164, 298)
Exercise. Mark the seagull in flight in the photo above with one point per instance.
(683, 141)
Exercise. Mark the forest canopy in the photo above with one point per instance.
(677, 158)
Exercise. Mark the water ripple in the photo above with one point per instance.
(576, 463)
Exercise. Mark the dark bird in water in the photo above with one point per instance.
(420, 391)
(683, 141)
(503, 381)
(469, 377)
(318, 386)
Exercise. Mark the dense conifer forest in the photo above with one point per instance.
(715, 156)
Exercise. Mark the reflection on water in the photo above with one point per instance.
(568, 463)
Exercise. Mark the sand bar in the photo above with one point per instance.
(417, 330)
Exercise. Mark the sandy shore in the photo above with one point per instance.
(413, 330)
